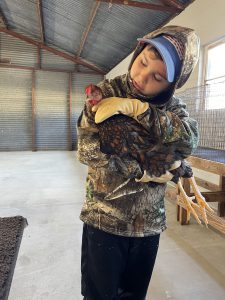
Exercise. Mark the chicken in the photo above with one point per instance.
(124, 137)
(94, 94)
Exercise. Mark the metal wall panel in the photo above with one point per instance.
(115, 30)
(52, 110)
(79, 82)
(52, 61)
(65, 21)
(17, 51)
(15, 110)
(21, 15)
(112, 35)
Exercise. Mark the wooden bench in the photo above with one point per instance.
(216, 193)
(213, 161)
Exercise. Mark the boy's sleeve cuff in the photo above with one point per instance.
(163, 178)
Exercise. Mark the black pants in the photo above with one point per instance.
(115, 267)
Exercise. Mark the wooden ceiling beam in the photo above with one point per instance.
(144, 5)
(54, 51)
(40, 20)
(173, 3)
(87, 30)
(12, 66)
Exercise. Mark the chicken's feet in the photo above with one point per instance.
(190, 206)
(203, 205)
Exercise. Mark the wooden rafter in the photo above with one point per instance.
(173, 3)
(13, 66)
(3, 21)
(87, 30)
(39, 57)
(40, 20)
(145, 5)
(54, 51)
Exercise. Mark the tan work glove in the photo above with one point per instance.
(115, 105)
(163, 178)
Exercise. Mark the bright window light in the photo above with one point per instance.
(215, 77)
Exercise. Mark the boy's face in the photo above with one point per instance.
(148, 73)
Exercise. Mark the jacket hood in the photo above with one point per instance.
(190, 40)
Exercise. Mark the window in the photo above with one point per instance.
(215, 76)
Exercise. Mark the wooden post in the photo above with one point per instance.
(70, 146)
(178, 212)
(39, 58)
(221, 204)
(33, 113)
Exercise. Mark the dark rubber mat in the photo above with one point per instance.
(210, 154)
(11, 232)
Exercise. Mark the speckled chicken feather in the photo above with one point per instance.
(123, 136)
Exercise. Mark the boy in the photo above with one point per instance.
(121, 235)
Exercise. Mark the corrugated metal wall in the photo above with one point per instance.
(15, 110)
(51, 61)
(51, 106)
(79, 82)
(17, 51)
(51, 99)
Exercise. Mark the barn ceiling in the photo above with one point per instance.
(94, 34)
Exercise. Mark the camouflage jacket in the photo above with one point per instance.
(115, 202)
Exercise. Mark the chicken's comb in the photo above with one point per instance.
(88, 89)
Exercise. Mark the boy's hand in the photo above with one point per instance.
(115, 105)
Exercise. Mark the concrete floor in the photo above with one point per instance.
(48, 189)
